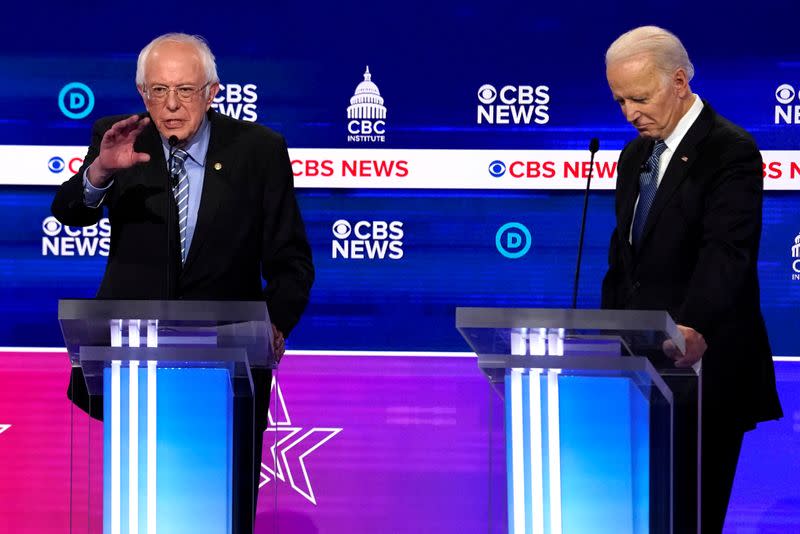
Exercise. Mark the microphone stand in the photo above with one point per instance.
(173, 144)
(594, 146)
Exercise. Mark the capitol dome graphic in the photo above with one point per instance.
(367, 102)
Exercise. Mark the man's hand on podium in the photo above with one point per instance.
(695, 347)
(278, 343)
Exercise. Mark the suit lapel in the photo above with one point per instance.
(215, 179)
(679, 165)
(155, 174)
(149, 142)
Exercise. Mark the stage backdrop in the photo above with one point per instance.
(439, 151)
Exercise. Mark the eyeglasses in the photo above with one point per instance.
(185, 93)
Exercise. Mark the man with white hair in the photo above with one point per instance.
(215, 226)
(688, 212)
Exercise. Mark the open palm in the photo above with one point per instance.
(116, 148)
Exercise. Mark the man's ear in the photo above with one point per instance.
(213, 89)
(680, 82)
(140, 88)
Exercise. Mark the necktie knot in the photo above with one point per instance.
(178, 160)
(655, 156)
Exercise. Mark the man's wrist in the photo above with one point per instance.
(93, 196)
(97, 177)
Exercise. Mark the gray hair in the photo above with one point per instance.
(660, 45)
(207, 58)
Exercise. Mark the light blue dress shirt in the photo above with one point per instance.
(197, 149)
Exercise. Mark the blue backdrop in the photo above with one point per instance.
(295, 66)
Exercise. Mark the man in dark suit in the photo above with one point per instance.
(216, 225)
(688, 209)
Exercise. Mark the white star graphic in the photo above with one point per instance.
(3, 428)
(290, 446)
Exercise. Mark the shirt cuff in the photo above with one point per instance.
(93, 196)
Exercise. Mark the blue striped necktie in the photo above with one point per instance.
(648, 184)
(181, 192)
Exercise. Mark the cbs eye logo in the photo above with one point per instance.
(785, 93)
(56, 164)
(487, 93)
(497, 168)
(341, 229)
(51, 226)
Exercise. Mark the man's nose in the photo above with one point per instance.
(172, 101)
(631, 112)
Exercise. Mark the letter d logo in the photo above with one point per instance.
(513, 240)
(76, 100)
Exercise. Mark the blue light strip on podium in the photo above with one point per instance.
(578, 455)
(168, 439)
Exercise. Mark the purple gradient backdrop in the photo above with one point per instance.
(405, 445)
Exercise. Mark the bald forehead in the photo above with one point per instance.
(640, 62)
(175, 50)
(175, 57)
(638, 69)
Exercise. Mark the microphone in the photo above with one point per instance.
(594, 146)
(173, 144)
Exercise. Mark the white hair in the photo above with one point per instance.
(206, 57)
(658, 44)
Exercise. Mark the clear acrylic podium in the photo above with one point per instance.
(588, 418)
(178, 415)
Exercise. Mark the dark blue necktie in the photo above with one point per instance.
(648, 184)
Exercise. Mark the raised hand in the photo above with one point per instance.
(116, 150)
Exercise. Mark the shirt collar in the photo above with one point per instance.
(674, 139)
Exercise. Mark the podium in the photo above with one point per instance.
(178, 418)
(589, 421)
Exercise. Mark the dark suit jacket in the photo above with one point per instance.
(249, 227)
(698, 260)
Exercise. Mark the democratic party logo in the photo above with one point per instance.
(785, 111)
(513, 104)
(76, 100)
(497, 168)
(366, 114)
(367, 240)
(237, 101)
(291, 445)
(796, 258)
(62, 240)
(513, 240)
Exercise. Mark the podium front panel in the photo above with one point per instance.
(588, 422)
(177, 391)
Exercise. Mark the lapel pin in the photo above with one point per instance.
(683, 159)
(218, 166)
